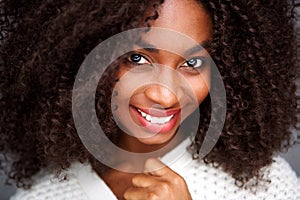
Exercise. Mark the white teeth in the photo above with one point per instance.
(148, 117)
(169, 118)
(155, 120)
(143, 114)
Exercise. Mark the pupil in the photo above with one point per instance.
(135, 58)
(192, 62)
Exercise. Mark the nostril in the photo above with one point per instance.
(161, 97)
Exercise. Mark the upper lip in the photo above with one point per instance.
(159, 112)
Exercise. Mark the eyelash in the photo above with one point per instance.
(198, 59)
(136, 63)
(146, 61)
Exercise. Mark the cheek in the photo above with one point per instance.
(200, 86)
(122, 70)
(201, 93)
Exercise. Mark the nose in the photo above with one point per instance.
(161, 95)
(165, 89)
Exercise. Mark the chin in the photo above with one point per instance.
(158, 139)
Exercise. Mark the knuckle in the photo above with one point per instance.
(152, 196)
(178, 180)
(126, 195)
(134, 180)
(163, 188)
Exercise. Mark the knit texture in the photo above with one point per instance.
(204, 182)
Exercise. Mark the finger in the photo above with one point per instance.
(143, 180)
(155, 167)
(135, 193)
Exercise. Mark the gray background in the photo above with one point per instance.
(292, 156)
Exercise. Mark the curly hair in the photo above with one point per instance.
(43, 44)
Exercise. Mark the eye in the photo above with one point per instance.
(138, 59)
(196, 63)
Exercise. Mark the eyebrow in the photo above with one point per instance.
(153, 49)
(203, 45)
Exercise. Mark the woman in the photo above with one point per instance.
(247, 41)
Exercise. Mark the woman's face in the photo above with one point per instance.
(158, 107)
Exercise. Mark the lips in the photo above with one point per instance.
(157, 120)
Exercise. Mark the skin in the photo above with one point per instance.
(159, 181)
(196, 25)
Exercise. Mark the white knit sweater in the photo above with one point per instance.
(204, 182)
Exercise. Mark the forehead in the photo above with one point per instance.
(186, 17)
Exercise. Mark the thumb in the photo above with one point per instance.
(155, 167)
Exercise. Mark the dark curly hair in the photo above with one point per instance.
(43, 44)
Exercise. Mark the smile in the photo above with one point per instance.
(156, 120)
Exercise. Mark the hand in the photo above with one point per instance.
(158, 182)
